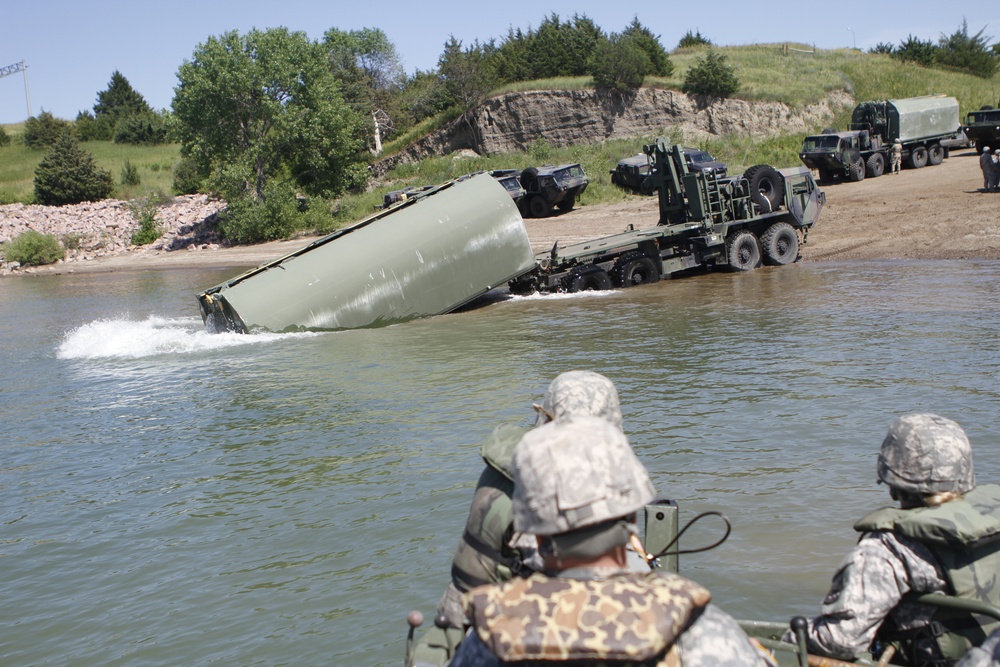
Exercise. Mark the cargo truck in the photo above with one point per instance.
(982, 128)
(925, 126)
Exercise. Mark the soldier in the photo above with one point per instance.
(996, 170)
(943, 538)
(987, 655)
(989, 167)
(896, 155)
(577, 486)
(484, 553)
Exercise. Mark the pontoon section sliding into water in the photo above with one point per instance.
(429, 255)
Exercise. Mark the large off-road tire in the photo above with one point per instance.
(767, 187)
(567, 203)
(780, 244)
(856, 172)
(646, 187)
(743, 251)
(918, 157)
(539, 206)
(588, 278)
(634, 268)
(528, 177)
(875, 166)
(826, 176)
(935, 154)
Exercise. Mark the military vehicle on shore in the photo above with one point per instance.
(633, 173)
(982, 128)
(551, 187)
(925, 126)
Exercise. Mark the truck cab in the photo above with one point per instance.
(834, 154)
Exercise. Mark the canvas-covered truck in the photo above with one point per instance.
(982, 128)
(735, 223)
(924, 125)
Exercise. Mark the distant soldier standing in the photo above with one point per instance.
(989, 167)
(943, 538)
(896, 156)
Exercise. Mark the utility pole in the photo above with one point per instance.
(14, 69)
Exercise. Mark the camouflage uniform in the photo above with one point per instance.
(990, 169)
(987, 655)
(578, 479)
(484, 554)
(896, 156)
(950, 548)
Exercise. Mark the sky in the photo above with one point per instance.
(72, 48)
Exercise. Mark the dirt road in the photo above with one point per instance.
(930, 213)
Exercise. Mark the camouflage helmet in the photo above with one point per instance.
(573, 473)
(580, 393)
(925, 454)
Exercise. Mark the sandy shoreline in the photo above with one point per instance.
(930, 213)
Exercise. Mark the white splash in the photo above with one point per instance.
(132, 339)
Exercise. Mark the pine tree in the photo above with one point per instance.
(69, 175)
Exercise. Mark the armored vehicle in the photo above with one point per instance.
(705, 223)
(632, 173)
(920, 123)
(509, 180)
(982, 128)
(551, 187)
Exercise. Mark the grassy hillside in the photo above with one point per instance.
(772, 72)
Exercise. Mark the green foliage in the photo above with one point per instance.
(4, 137)
(557, 48)
(69, 175)
(120, 100)
(619, 63)
(144, 212)
(43, 130)
(187, 179)
(262, 105)
(146, 129)
(275, 216)
(130, 174)
(33, 248)
(88, 128)
(468, 74)
(968, 53)
(884, 48)
(712, 76)
(693, 39)
(916, 50)
(643, 37)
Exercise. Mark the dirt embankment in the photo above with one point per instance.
(930, 213)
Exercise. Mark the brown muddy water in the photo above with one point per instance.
(175, 497)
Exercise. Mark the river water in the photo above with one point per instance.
(174, 497)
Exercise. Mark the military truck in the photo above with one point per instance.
(549, 187)
(982, 128)
(632, 173)
(734, 223)
(920, 123)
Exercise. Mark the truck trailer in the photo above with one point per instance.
(925, 126)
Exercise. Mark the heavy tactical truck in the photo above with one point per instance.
(924, 125)
(982, 128)
(705, 222)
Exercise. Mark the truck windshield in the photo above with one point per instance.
(984, 117)
(563, 175)
(820, 142)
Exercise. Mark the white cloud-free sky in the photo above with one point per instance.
(72, 48)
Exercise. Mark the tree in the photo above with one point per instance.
(4, 137)
(266, 107)
(913, 49)
(968, 53)
(44, 130)
(69, 175)
(711, 75)
(884, 48)
(563, 48)
(120, 101)
(619, 63)
(693, 39)
(468, 73)
(643, 37)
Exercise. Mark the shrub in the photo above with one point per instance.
(4, 137)
(88, 128)
(884, 48)
(968, 53)
(619, 63)
(693, 39)
(711, 75)
(273, 217)
(33, 249)
(130, 174)
(187, 179)
(914, 49)
(44, 130)
(141, 130)
(69, 175)
(144, 211)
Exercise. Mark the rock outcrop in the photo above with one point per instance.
(511, 122)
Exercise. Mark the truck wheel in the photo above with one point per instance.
(826, 176)
(634, 268)
(875, 166)
(528, 178)
(567, 203)
(767, 187)
(935, 154)
(856, 172)
(780, 244)
(918, 157)
(743, 250)
(588, 278)
(646, 187)
(539, 207)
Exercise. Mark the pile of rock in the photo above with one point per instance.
(100, 229)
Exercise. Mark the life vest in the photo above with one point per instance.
(483, 555)
(964, 537)
(633, 618)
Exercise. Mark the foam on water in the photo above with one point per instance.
(135, 339)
